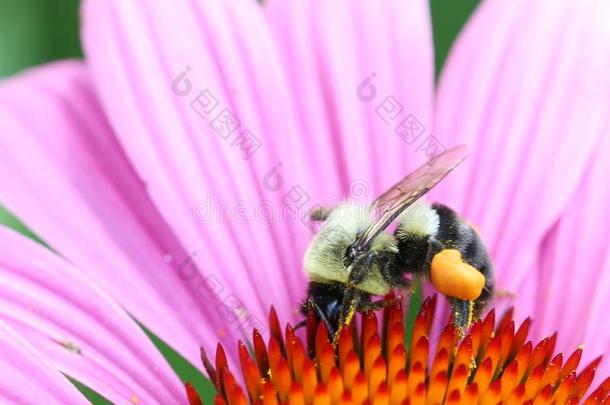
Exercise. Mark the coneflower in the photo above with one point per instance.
(493, 363)
(185, 109)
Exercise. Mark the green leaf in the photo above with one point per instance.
(183, 368)
(33, 32)
(448, 18)
(92, 395)
(8, 219)
(415, 301)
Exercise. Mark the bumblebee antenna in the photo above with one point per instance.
(300, 324)
(320, 315)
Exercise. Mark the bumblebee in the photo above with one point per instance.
(353, 257)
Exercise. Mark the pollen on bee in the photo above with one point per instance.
(453, 277)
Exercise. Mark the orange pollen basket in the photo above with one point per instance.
(374, 365)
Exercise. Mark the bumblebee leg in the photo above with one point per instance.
(480, 304)
(300, 324)
(462, 314)
(372, 306)
(434, 246)
(360, 268)
(388, 267)
(348, 309)
(348, 306)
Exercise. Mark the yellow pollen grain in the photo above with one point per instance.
(470, 312)
(348, 320)
(134, 399)
(350, 316)
(473, 362)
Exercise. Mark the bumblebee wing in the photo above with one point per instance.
(404, 193)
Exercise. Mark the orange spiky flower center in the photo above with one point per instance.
(372, 364)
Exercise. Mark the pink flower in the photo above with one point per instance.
(164, 172)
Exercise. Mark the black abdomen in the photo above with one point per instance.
(455, 233)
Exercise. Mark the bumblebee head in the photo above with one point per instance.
(325, 300)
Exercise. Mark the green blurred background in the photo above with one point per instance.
(33, 32)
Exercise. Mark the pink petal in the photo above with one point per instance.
(572, 287)
(330, 49)
(66, 176)
(29, 378)
(597, 335)
(527, 86)
(226, 49)
(78, 327)
(190, 171)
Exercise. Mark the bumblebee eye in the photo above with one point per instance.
(350, 255)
